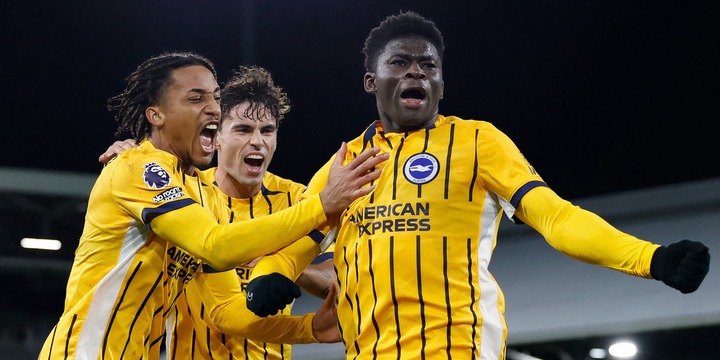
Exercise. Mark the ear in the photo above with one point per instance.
(369, 83)
(154, 116)
(442, 89)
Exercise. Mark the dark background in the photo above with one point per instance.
(601, 96)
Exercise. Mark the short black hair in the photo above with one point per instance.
(394, 26)
(145, 87)
(255, 85)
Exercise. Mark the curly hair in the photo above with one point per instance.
(395, 26)
(145, 88)
(255, 85)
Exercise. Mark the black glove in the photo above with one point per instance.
(682, 265)
(267, 294)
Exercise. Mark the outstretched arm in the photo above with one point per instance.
(585, 236)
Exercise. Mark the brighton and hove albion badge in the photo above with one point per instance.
(421, 168)
(155, 176)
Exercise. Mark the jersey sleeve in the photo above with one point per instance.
(318, 181)
(153, 191)
(503, 169)
(228, 311)
(149, 188)
(291, 260)
(583, 235)
(225, 246)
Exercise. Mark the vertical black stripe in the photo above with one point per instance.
(448, 304)
(70, 330)
(114, 314)
(265, 356)
(202, 202)
(52, 342)
(192, 348)
(372, 313)
(229, 205)
(418, 266)
(394, 297)
(172, 303)
(282, 351)
(139, 311)
(252, 216)
(269, 203)
(475, 167)
(395, 169)
(357, 301)
(289, 199)
(207, 341)
(472, 296)
(449, 157)
(245, 348)
(425, 146)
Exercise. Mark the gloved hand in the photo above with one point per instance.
(681, 265)
(267, 294)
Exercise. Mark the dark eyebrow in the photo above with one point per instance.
(406, 56)
(203, 92)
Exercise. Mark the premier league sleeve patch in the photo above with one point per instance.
(421, 168)
(155, 176)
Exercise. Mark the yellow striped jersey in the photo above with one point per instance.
(125, 279)
(193, 336)
(412, 256)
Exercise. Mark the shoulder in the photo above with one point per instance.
(277, 183)
(145, 163)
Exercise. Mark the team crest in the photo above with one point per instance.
(155, 176)
(421, 168)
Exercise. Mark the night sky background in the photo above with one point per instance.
(600, 96)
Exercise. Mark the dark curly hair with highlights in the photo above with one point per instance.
(145, 88)
(395, 26)
(254, 85)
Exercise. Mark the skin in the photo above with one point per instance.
(187, 107)
(406, 63)
(239, 138)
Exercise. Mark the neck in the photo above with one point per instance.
(231, 187)
(185, 166)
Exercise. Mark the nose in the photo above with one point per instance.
(256, 138)
(213, 108)
(415, 71)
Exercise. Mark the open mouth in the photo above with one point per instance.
(254, 160)
(207, 137)
(413, 97)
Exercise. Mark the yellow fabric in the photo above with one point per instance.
(583, 235)
(412, 257)
(124, 277)
(219, 244)
(195, 333)
(230, 314)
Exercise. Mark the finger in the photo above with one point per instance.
(371, 163)
(360, 159)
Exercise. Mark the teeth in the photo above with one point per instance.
(211, 127)
(255, 157)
